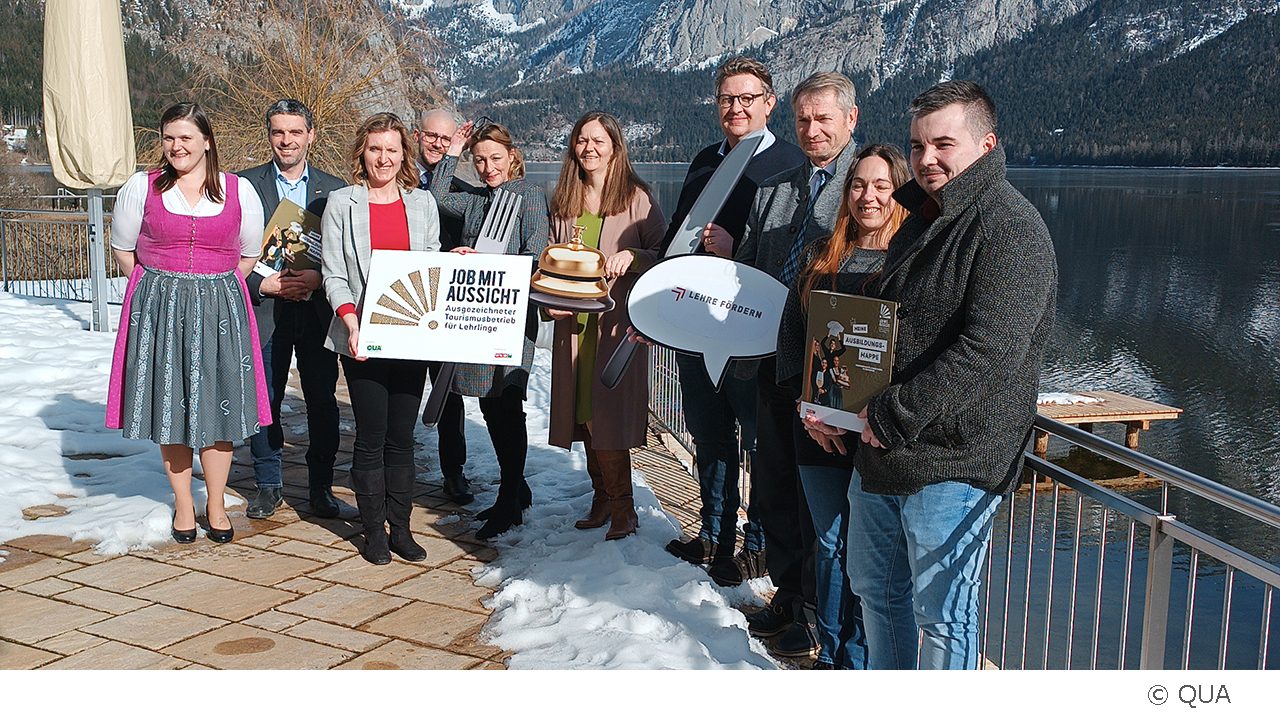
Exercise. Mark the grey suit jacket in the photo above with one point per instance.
(778, 211)
(345, 229)
(319, 185)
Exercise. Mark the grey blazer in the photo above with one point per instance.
(779, 209)
(345, 229)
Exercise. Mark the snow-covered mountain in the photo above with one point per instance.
(492, 44)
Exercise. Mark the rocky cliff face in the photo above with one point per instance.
(492, 44)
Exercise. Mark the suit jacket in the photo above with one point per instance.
(319, 185)
(345, 229)
(779, 208)
(619, 417)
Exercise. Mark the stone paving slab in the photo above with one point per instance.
(289, 592)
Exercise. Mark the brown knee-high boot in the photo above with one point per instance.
(615, 465)
(598, 515)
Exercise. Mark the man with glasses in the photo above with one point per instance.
(435, 130)
(744, 100)
(791, 213)
(289, 323)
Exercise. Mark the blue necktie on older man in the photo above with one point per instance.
(791, 267)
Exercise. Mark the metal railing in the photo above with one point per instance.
(47, 254)
(1081, 576)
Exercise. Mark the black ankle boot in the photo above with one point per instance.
(526, 500)
(371, 500)
(400, 482)
(506, 513)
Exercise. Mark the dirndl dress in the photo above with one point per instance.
(187, 368)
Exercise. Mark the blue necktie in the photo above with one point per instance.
(791, 267)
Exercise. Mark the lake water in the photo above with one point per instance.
(1169, 290)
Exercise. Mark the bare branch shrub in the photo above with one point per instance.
(344, 59)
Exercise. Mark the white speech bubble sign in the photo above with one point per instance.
(709, 306)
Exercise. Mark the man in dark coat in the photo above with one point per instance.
(744, 100)
(293, 317)
(435, 130)
(792, 216)
(974, 274)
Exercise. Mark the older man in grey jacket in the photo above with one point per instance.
(974, 274)
(793, 212)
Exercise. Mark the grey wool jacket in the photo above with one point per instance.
(976, 280)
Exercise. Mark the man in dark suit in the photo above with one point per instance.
(792, 214)
(435, 131)
(293, 317)
(744, 100)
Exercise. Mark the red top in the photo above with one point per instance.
(388, 230)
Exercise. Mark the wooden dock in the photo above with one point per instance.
(1134, 413)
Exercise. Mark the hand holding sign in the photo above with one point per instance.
(709, 306)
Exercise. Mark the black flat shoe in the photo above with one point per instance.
(184, 537)
(216, 535)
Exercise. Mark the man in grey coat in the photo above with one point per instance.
(793, 213)
(974, 274)
(293, 316)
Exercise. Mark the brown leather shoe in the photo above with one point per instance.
(615, 467)
(622, 517)
(598, 515)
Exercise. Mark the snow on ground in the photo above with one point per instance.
(564, 598)
(54, 449)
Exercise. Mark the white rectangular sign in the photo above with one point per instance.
(446, 306)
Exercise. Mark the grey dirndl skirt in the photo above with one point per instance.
(189, 370)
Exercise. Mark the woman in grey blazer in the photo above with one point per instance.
(385, 210)
(501, 389)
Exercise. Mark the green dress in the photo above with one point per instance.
(587, 330)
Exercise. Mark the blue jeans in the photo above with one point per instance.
(915, 561)
(710, 414)
(840, 631)
(268, 454)
(298, 331)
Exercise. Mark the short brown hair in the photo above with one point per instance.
(743, 65)
(407, 177)
(979, 108)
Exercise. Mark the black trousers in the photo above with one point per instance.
(452, 438)
(300, 332)
(777, 495)
(504, 417)
(385, 397)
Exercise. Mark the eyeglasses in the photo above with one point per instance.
(745, 99)
(434, 138)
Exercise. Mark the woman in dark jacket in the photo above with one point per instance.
(501, 388)
(868, 217)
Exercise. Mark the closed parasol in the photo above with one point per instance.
(87, 116)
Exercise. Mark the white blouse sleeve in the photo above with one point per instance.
(126, 218)
(252, 219)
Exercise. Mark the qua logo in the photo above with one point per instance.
(373, 348)
(501, 356)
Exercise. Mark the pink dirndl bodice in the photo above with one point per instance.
(188, 244)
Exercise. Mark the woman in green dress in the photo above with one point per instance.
(600, 191)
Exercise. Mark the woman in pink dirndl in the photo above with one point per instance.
(187, 370)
